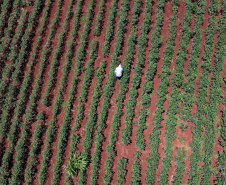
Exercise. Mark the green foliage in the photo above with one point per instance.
(57, 104)
(35, 150)
(9, 32)
(205, 115)
(13, 90)
(6, 103)
(99, 19)
(124, 81)
(122, 163)
(52, 74)
(136, 80)
(180, 166)
(183, 127)
(222, 138)
(136, 170)
(110, 27)
(75, 164)
(221, 180)
(153, 158)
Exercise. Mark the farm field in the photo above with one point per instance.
(163, 122)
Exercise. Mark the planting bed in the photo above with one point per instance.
(163, 122)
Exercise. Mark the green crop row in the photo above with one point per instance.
(121, 174)
(57, 104)
(13, 54)
(199, 117)
(110, 28)
(9, 32)
(108, 91)
(221, 180)
(124, 81)
(222, 138)
(153, 158)
(96, 95)
(92, 112)
(99, 19)
(14, 86)
(4, 127)
(63, 134)
(182, 53)
(89, 72)
(24, 92)
(35, 150)
(90, 125)
(136, 170)
(66, 67)
(20, 55)
(136, 80)
(6, 6)
(189, 85)
(147, 87)
(52, 74)
(180, 166)
(213, 104)
(21, 104)
(171, 121)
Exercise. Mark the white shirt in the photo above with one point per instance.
(118, 71)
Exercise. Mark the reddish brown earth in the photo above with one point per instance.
(121, 149)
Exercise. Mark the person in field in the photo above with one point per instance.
(118, 71)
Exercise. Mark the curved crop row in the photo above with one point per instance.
(57, 104)
(133, 92)
(24, 91)
(90, 125)
(35, 148)
(124, 81)
(9, 32)
(147, 87)
(189, 85)
(108, 89)
(180, 166)
(13, 53)
(110, 27)
(221, 179)
(212, 107)
(92, 112)
(5, 11)
(199, 117)
(52, 74)
(66, 67)
(222, 138)
(22, 146)
(171, 120)
(62, 143)
(99, 19)
(136, 170)
(4, 127)
(89, 72)
(14, 86)
(153, 158)
(122, 163)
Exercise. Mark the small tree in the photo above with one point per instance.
(75, 164)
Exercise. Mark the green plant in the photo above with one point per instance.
(183, 127)
(75, 164)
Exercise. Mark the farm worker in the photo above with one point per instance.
(118, 71)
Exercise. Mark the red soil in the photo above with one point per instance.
(121, 149)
